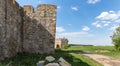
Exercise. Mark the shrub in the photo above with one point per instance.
(116, 38)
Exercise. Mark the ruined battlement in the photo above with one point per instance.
(28, 9)
(40, 8)
(45, 7)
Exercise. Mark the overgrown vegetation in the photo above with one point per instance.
(116, 38)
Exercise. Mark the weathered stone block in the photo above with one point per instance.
(50, 58)
(63, 62)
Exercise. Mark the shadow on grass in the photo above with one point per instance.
(26, 59)
(76, 51)
(71, 59)
(23, 59)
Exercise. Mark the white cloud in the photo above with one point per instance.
(74, 8)
(58, 7)
(86, 28)
(112, 11)
(60, 29)
(107, 18)
(100, 24)
(106, 24)
(96, 24)
(93, 1)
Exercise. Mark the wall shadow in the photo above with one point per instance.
(37, 37)
(70, 58)
(28, 59)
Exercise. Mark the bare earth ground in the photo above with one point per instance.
(105, 60)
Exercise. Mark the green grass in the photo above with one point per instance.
(92, 49)
(115, 54)
(23, 60)
(88, 48)
(27, 59)
(69, 53)
(86, 60)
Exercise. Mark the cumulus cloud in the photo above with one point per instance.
(100, 24)
(85, 28)
(107, 18)
(60, 29)
(93, 1)
(74, 8)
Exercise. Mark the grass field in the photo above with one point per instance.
(88, 48)
(93, 49)
(31, 59)
(69, 53)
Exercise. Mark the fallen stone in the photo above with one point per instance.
(50, 58)
(63, 62)
(40, 63)
(52, 64)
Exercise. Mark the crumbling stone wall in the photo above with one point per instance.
(39, 29)
(10, 28)
(2, 28)
(23, 30)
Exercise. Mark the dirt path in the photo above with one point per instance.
(105, 60)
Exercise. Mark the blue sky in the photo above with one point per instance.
(84, 21)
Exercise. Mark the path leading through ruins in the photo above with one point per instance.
(105, 60)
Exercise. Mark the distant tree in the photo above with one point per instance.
(116, 38)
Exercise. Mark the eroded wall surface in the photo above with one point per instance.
(23, 30)
(39, 29)
(10, 28)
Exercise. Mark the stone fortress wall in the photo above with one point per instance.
(24, 30)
